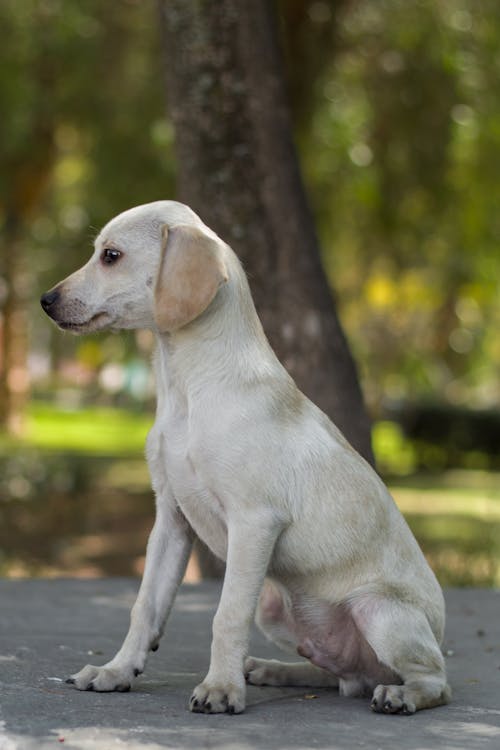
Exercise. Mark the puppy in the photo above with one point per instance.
(314, 544)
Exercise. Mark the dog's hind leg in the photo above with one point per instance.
(402, 639)
(282, 674)
(275, 620)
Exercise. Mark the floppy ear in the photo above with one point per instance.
(191, 272)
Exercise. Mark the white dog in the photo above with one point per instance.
(314, 544)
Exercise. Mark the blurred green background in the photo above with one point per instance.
(396, 105)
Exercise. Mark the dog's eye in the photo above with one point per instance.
(110, 255)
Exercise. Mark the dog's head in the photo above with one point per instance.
(155, 266)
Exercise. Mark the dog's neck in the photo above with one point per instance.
(225, 347)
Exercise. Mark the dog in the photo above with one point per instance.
(315, 547)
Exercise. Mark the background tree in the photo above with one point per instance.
(72, 156)
(406, 116)
(395, 107)
(237, 167)
(396, 114)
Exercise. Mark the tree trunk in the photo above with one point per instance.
(14, 375)
(238, 168)
(29, 169)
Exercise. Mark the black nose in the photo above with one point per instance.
(49, 298)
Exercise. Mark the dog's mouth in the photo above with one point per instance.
(95, 323)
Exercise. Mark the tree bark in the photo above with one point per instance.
(238, 168)
(29, 168)
(14, 377)
(29, 178)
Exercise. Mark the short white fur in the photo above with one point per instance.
(314, 544)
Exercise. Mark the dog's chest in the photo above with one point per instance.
(186, 473)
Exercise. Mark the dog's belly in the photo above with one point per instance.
(338, 645)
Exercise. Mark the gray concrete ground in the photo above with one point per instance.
(49, 629)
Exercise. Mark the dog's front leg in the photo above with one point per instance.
(166, 558)
(251, 539)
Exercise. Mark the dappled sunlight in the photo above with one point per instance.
(85, 510)
(455, 516)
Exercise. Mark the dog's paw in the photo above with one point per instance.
(217, 698)
(265, 672)
(103, 679)
(392, 699)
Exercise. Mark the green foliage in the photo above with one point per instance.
(398, 124)
(394, 453)
(402, 160)
(86, 134)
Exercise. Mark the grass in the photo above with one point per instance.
(462, 492)
(91, 431)
(454, 515)
(456, 518)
